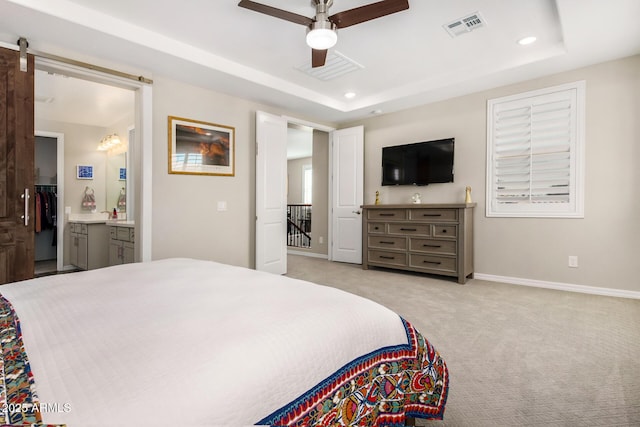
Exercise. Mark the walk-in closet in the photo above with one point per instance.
(45, 198)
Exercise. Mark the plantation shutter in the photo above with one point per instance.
(534, 151)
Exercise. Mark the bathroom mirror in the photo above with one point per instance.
(116, 181)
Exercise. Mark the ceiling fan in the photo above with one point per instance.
(321, 29)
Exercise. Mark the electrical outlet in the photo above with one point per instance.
(573, 261)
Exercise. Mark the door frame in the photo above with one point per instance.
(329, 130)
(60, 214)
(140, 152)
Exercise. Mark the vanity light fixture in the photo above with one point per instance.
(109, 142)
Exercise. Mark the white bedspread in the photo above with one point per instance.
(182, 342)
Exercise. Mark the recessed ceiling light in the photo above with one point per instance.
(527, 40)
(350, 95)
(376, 112)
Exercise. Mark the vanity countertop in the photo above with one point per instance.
(89, 221)
(121, 223)
(89, 218)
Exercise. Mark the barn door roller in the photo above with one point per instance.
(24, 44)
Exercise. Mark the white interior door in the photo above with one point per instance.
(347, 194)
(271, 194)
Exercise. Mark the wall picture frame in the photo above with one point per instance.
(84, 171)
(201, 148)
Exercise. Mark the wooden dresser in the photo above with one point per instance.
(427, 238)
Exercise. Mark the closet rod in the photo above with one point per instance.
(68, 61)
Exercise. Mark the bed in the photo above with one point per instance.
(198, 343)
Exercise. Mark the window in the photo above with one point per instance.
(535, 153)
(307, 184)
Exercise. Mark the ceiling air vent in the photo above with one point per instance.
(465, 24)
(335, 66)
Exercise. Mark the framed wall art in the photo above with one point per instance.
(84, 172)
(201, 148)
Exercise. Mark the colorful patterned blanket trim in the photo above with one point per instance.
(19, 404)
(382, 388)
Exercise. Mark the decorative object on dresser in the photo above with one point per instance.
(426, 238)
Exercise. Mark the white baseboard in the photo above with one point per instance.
(610, 292)
(304, 253)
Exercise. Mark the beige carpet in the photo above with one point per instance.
(517, 356)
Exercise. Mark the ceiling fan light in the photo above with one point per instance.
(322, 36)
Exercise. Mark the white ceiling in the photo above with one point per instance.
(70, 100)
(408, 58)
(299, 142)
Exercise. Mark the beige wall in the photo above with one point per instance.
(320, 221)
(186, 222)
(294, 179)
(607, 240)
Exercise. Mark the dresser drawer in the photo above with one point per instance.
(391, 258)
(434, 214)
(433, 262)
(388, 242)
(387, 214)
(410, 229)
(376, 227)
(447, 247)
(445, 231)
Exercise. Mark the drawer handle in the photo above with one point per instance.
(431, 246)
(408, 229)
(444, 231)
(431, 214)
(432, 262)
(387, 214)
(376, 228)
(388, 243)
(387, 257)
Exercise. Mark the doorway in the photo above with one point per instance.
(307, 191)
(74, 114)
(49, 203)
(346, 148)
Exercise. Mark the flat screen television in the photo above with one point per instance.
(420, 163)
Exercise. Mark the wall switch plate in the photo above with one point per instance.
(320, 239)
(573, 261)
(222, 206)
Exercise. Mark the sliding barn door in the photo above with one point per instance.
(17, 144)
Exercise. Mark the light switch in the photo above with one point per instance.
(222, 206)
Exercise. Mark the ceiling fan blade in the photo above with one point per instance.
(318, 57)
(275, 12)
(368, 12)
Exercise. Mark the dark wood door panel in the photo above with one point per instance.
(17, 143)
